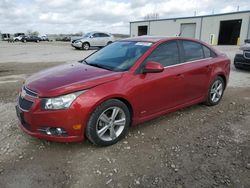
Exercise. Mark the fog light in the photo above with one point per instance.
(48, 131)
(53, 131)
(59, 131)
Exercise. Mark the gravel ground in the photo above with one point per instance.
(198, 146)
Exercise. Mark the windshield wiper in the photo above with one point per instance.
(97, 65)
(100, 66)
(81, 61)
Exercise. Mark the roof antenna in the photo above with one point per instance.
(179, 33)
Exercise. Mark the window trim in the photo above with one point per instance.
(188, 62)
(181, 55)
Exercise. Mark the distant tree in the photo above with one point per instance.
(34, 33)
(78, 34)
(152, 16)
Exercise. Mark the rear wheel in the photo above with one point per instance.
(215, 91)
(109, 123)
(85, 46)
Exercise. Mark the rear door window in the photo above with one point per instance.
(192, 51)
(207, 52)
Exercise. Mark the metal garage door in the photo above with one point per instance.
(188, 30)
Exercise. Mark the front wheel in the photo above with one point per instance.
(109, 123)
(215, 91)
(85, 46)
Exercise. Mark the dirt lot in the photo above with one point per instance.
(198, 146)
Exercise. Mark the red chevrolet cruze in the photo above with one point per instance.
(126, 83)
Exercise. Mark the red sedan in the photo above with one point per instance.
(126, 83)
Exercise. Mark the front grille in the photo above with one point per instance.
(20, 116)
(30, 92)
(24, 104)
(247, 54)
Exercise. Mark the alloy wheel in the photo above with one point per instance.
(216, 91)
(85, 46)
(111, 124)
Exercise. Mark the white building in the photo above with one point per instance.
(217, 29)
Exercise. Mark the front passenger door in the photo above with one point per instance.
(95, 40)
(160, 91)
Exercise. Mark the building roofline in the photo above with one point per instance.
(202, 16)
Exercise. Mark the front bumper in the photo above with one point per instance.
(35, 119)
(241, 61)
(76, 44)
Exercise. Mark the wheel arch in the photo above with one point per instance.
(117, 97)
(86, 42)
(224, 79)
(127, 103)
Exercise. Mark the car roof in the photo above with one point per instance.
(155, 39)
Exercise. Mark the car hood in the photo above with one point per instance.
(68, 78)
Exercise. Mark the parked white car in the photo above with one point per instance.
(92, 39)
(18, 36)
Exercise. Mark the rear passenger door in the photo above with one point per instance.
(195, 68)
(105, 39)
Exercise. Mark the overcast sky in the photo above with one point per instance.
(72, 16)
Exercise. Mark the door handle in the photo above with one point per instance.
(209, 67)
(179, 76)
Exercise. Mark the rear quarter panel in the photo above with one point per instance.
(221, 67)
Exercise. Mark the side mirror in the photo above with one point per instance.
(153, 67)
(91, 36)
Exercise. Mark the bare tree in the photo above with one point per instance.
(33, 33)
(152, 16)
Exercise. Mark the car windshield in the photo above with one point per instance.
(118, 56)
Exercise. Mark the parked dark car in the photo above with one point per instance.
(242, 57)
(123, 84)
(31, 39)
(247, 41)
(63, 39)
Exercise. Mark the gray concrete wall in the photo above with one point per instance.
(205, 26)
(211, 25)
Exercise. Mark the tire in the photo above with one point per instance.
(237, 66)
(85, 46)
(109, 43)
(215, 92)
(101, 119)
(24, 41)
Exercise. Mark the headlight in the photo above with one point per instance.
(61, 102)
